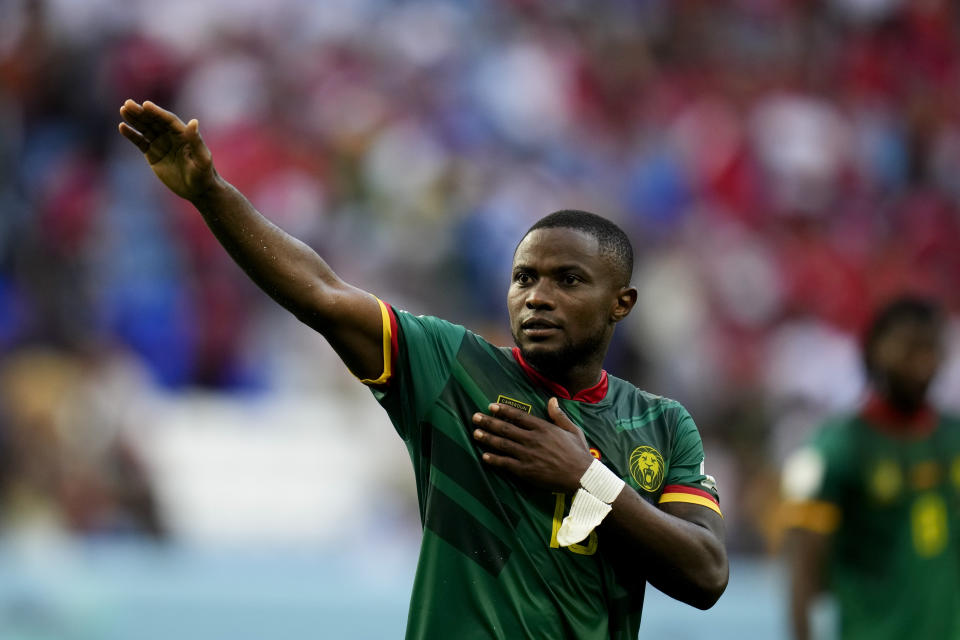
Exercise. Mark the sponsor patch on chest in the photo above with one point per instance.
(516, 404)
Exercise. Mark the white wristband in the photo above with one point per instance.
(601, 482)
(586, 513)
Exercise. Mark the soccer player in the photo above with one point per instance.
(874, 499)
(519, 454)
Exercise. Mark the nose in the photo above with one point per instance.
(540, 296)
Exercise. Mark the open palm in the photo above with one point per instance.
(175, 151)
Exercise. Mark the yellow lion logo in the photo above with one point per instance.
(646, 467)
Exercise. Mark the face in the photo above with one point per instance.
(564, 299)
(906, 358)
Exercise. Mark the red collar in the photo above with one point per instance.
(885, 417)
(594, 394)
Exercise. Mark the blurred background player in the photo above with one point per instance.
(874, 498)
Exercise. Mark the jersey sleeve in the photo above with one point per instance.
(813, 482)
(418, 351)
(687, 480)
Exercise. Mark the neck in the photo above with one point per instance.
(905, 402)
(891, 416)
(577, 378)
(580, 383)
(903, 407)
(574, 375)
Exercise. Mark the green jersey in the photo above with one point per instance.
(490, 565)
(891, 500)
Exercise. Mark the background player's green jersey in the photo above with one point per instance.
(892, 503)
(490, 565)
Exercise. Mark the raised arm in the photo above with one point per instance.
(679, 547)
(288, 270)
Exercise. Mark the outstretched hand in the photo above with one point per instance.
(553, 455)
(175, 151)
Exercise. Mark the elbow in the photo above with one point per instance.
(713, 577)
(706, 599)
(711, 586)
(318, 304)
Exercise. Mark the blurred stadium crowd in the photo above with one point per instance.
(782, 166)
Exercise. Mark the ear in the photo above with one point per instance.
(623, 305)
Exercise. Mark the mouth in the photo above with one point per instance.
(538, 327)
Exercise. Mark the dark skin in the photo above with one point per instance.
(564, 301)
(905, 360)
(806, 556)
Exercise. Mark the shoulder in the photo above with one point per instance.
(424, 334)
(830, 447)
(836, 431)
(828, 462)
(950, 420)
(407, 319)
(422, 330)
(626, 393)
(950, 426)
(635, 407)
(433, 324)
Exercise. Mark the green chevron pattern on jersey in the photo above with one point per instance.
(488, 565)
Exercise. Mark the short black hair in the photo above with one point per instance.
(614, 243)
(904, 308)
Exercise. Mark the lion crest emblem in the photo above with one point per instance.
(646, 467)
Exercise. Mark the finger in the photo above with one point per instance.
(162, 117)
(192, 132)
(520, 418)
(134, 136)
(503, 462)
(559, 417)
(150, 120)
(502, 445)
(500, 427)
(200, 150)
(130, 106)
(134, 114)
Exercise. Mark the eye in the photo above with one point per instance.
(570, 280)
(522, 278)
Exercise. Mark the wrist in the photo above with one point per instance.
(599, 487)
(576, 472)
(209, 190)
(599, 481)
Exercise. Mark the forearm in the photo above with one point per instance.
(805, 554)
(800, 616)
(288, 270)
(684, 559)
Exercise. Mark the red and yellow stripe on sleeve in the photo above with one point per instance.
(389, 323)
(691, 495)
